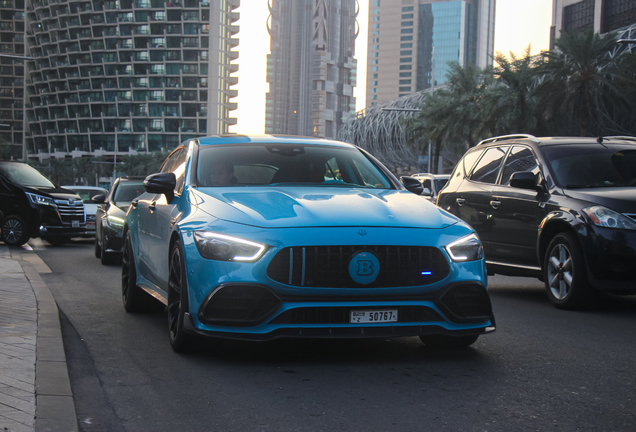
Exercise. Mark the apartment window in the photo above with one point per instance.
(406, 60)
(377, 3)
(374, 83)
(377, 12)
(376, 18)
(405, 81)
(406, 53)
(376, 33)
(406, 45)
(374, 97)
(406, 67)
(406, 31)
(407, 16)
(374, 90)
(407, 9)
(376, 26)
(375, 62)
(374, 69)
(376, 54)
(405, 89)
(405, 74)
(374, 76)
(407, 23)
(406, 38)
(376, 40)
(375, 47)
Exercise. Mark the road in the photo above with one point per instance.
(542, 369)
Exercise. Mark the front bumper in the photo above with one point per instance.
(113, 239)
(611, 259)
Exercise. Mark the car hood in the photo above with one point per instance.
(622, 200)
(319, 207)
(52, 192)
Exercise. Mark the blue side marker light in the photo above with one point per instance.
(426, 273)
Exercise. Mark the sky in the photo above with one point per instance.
(518, 23)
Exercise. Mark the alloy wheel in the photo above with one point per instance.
(560, 271)
(174, 295)
(13, 230)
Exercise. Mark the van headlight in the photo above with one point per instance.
(40, 200)
(223, 247)
(467, 248)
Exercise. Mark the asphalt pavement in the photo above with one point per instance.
(35, 390)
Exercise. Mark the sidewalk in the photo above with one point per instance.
(35, 391)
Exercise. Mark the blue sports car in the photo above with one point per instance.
(260, 237)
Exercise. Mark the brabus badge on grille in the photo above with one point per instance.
(364, 268)
(362, 232)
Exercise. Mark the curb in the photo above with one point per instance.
(55, 407)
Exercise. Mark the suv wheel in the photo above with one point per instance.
(14, 231)
(98, 248)
(565, 275)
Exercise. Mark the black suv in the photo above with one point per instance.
(32, 206)
(560, 209)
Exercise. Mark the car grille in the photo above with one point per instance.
(70, 210)
(340, 315)
(328, 266)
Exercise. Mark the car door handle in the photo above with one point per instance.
(495, 204)
(152, 206)
(135, 202)
(460, 201)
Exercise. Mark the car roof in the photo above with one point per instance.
(269, 139)
(558, 140)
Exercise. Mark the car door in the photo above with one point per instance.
(472, 198)
(158, 219)
(515, 212)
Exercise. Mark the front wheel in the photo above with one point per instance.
(14, 231)
(444, 341)
(98, 248)
(565, 275)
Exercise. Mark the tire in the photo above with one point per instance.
(180, 341)
(14, 231)
(98, 248)
(134, 298)
(565, 275)
(56, 240)
(446, 342)
(107, 258)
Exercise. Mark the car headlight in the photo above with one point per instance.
(40, 200)
(467, 248)
(607, 218)
(223, 247)
(115, 222)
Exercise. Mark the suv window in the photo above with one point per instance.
(176, 164)
(488, 166)
(470, 158)
(519, 159)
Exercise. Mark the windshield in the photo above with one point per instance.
(287, 165)
(128, 191)
(24, 175)
(592, 166)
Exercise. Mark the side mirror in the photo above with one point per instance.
(161, 183)
(524, 180)
(427, 192)
(99, 199)
(412, 185)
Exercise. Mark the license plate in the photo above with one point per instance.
(373, 316)
(75, 224)
(90, 225)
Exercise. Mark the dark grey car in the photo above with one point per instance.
(110, 217)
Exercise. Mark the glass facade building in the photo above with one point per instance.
(12, 47)
(127, 75)
(411, 44)
(600, 15)
(310, 70)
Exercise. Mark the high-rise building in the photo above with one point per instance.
(311, 70)
(12, 35)
(600, 15)
(127, 75)
(411, 42)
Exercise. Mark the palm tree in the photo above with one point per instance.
(580, 85)
(509, 106)
(84, 170)
(60, 171)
